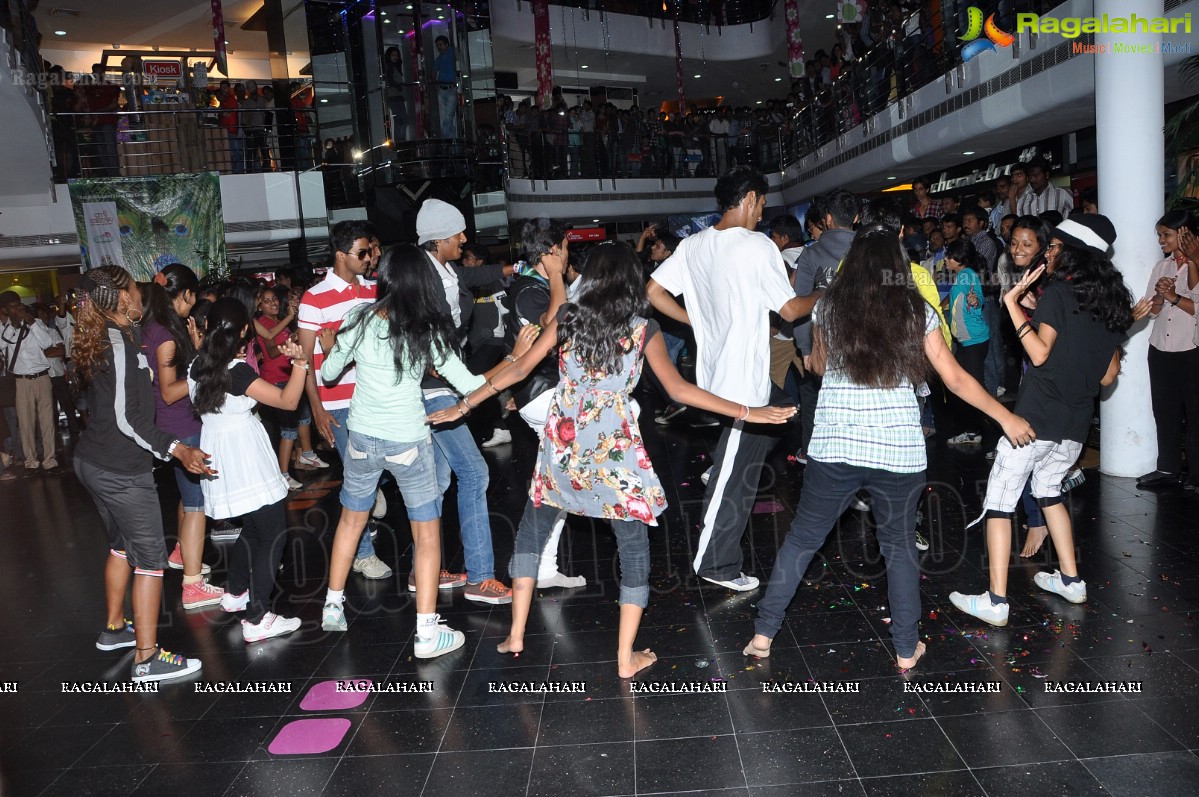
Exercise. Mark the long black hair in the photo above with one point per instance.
(410, 296)
(611, 296)
(179, 279)
(1097, 285)
(872, 316)
(228, 331)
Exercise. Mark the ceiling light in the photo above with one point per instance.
(759, 102)
(324, 100)
(60, 33)
(441, 16)
(778, 80)
(582, 66)
(595, 221)
(968, 152)
(387, 22)
(408, 7)
(697, 76)
(891, 178)
(828, 16)
(439, 8)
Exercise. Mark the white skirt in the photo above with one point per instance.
(247, 469)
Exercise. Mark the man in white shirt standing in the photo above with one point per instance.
(27, 348)
(1042, 194)
(732, 277)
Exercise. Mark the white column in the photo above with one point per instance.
(1129, 114)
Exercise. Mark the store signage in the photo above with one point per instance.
(587, 234)
(163, 69)
(977, 172)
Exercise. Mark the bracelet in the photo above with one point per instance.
(171, 448)
(300, 364)
(1023, 332)
(469, 406)
(1023, 327)
(463, 412)
(492, 387)
(508, 358)
(1177, 299)
(744, 412)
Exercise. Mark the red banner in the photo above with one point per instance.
(541, 48)
(218, 38)
(587, 234)
(795, 61)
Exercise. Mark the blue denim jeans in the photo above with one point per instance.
(632, 545)
(410, 463)
(341, 441)
(828, 488)
(455, 450)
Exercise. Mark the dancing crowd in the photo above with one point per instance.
(844, 342)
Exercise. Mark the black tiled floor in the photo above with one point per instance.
(1139, 553)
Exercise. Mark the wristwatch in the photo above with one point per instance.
(171, 448)
(1177, 299)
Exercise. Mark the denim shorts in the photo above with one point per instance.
(290, 421)
(189, 483)
(411, 464)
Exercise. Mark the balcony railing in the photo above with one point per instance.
(909, 53)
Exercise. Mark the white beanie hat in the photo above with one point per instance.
(437, 220)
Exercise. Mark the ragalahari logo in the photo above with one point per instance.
(976, 27)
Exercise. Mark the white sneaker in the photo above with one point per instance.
(703, 477)
(444, 640)
(980, 606)
(372, 567)
(859, 505)
(965, 439)
(498, 438)
(271, 625)
(235, 603)
(380, 509)
(1000, 391)
(1052, 582)
(292, 483)
(312, 461)
(333, 617)
(741, 583)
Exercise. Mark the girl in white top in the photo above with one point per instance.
(246, 481)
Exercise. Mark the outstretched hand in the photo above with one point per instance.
(448, 415)
(292, 350)
(525, 339)
(771, 414)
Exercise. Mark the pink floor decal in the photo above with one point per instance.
(767, 507)
(325, 697)
(310, 737)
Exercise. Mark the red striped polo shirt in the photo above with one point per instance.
(325, 306)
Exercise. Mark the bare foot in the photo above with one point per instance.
(511, 645)
(910, 662)
(640, 660)
(758, 646)
(1034, 540)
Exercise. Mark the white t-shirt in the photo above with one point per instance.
(731, 279)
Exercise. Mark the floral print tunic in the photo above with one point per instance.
(592, 459)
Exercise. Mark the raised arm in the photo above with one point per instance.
(288, 396)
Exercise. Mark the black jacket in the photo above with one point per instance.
(121, 435)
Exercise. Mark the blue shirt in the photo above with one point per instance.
(445, 66)
(967, 323)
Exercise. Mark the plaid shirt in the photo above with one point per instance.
(868, 427)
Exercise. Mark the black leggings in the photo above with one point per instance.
(256, 557)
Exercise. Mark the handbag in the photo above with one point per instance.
(8, 382)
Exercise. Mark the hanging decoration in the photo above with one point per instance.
(218, 38)
(678, 60)
(541, 48)
(849, 11)
(794, 40)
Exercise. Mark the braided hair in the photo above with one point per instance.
(102, 291)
